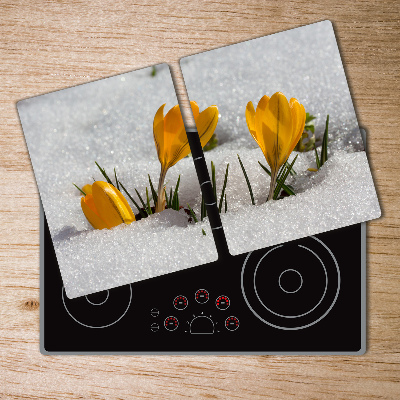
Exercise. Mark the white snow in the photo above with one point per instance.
(341, 193)
(303, 63)
(110, 121)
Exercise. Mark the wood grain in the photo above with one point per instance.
(48, 45)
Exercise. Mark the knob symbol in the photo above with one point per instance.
(154, 312)
(171, 323)
(222, 302)
(231, 323)
(202, 325)
(202, 296)
(180, 302)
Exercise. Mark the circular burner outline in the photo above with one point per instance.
(98, 304)
(298, 327)
(291, 316)
(177, 323)
(180, 309)
(238, 323)
(207, 293)
(97, 327)
(301, 280)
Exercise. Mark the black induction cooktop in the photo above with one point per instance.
(305, 296)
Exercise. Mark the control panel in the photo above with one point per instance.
(197, 313)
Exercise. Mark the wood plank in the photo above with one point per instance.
(48, 45)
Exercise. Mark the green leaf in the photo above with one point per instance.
(226, 205)
(292, 171)
(103, 172)
(204, 232)
(153, 192)
(281, 181)
(134, 202)
(141, 200)
(79, 189)
(192, 214)
(287, 188)
(309, 127)
(170, 198)
(175, 201)
(223, 189)
(148, 202)
(324, 149)
(281, 171)
(317, 158)
(214, 183)
(247, 180)
(153, 71)
(212, 143)
(116, 180)
(309, 118)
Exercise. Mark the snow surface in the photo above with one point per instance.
(341, 193)
(110, 121)
(303, 63)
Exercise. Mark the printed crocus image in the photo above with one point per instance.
(96, 150)
(105, 207)
(288, 158)
(276, 126)
(171, 140)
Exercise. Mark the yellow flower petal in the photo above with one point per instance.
(175, 139)
(296, 115)
(87, 189)
(158, 132)
(298, 121)
(128, 214)
(257, 133)
(251, 118)
(276, 127)
(195, 109)
(206, 123)
(89, 209)
(173, 123)
(171, 140)
(110, 206)
(274, 124)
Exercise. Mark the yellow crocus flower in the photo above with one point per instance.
(171, 140)
(105, 207)
(276, 126)
(87, 188)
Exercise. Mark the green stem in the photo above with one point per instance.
(160, 197)
(274, 174)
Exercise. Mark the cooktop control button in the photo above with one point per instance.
(202, 296)
(222, 302)
(155, 327)
(154, 312)
(180, 302)
(171, 323)
(231, 323)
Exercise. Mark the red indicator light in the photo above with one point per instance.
(201, 296)
(223, 302)
(180, 302)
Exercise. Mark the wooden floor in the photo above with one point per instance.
(47, 45)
